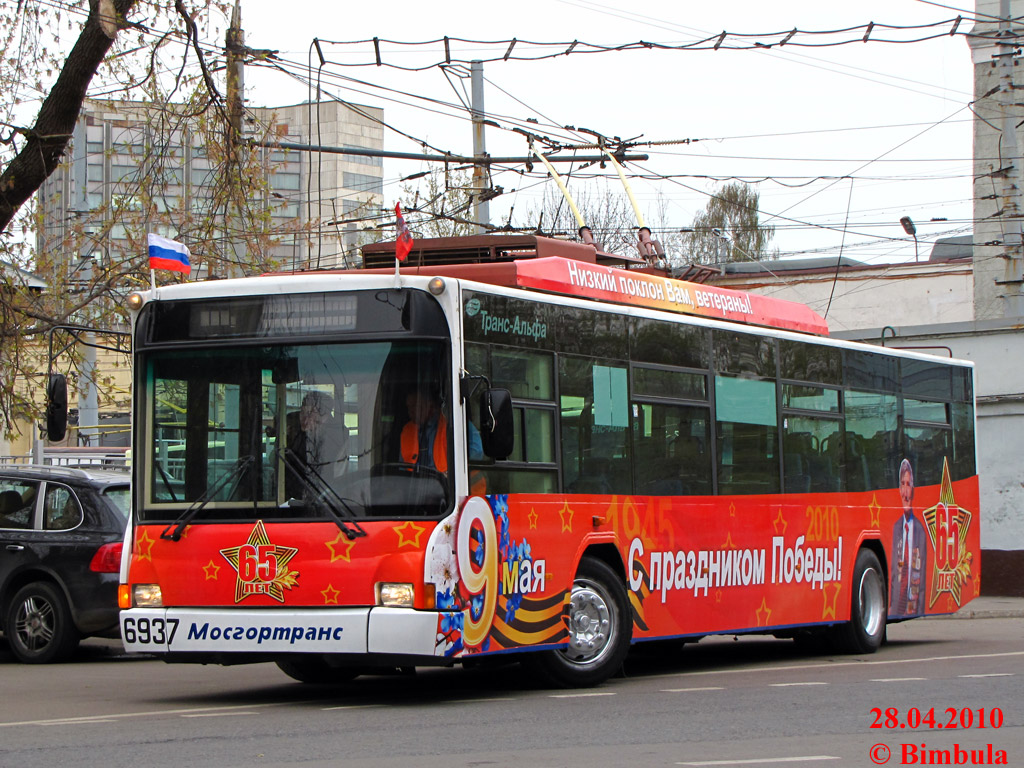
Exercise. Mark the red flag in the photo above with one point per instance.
(403, 244)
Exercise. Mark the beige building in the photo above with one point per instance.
(116, 143)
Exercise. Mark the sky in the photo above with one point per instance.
(887, 124)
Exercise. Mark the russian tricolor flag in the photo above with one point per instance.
(168, 254)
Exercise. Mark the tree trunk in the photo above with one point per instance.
(49, 137)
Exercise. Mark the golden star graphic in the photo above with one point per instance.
(262, 567)
(330, 595)
(732, 509)
(532, 517)
(780, 520)
(341, 547)
(829, 611)
(144, 545)
(566, 514)
(409, 534)
(210, 569)
(728, 541)
(874, 509)
(765, 612)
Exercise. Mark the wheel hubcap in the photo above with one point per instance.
(34, 623)
(591, 624)
(872, 602)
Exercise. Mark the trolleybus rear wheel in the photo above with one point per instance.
(865, 631)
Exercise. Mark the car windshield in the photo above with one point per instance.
(292, 431)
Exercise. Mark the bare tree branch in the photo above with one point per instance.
(49, 137)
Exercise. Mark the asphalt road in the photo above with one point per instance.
(724, 702)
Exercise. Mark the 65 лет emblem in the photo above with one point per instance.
(262, 567)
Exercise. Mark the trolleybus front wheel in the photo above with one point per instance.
(865, 631)
(600, 627)
(314, 670)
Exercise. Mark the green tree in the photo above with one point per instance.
(729, 229)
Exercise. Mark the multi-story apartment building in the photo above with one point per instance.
(304, 197)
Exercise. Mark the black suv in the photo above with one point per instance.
(61, 533)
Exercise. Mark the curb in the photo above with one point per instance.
(991, 608)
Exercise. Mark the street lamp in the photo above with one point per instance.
(910, 229)
(724, 240)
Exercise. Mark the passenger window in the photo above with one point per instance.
(672, 445)
(747, 433)
(527, 375)
(813, 454)
(870, 440)
(595, 423)
(17, 504)
(61, 510)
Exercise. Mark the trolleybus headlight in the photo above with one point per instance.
(395, 595)
(436, 286)
(134, 301)
(147, 596)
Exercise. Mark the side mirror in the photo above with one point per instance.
(497, 432)
(56, 407)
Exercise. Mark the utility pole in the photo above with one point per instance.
(1010, 197)
(88, 404)
(481, 172)
(234, 49)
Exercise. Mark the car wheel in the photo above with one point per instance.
(315, 671)
(39, 628)
(865, 631)
(600, 627)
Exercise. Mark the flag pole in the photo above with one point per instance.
(403, 243)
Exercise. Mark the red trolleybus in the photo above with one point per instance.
(541, 454)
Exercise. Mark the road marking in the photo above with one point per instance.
(220, 714)
(350, 706)
(765, 760)
(691, 690)
(475, 701)
(127, 715)
(992, 674)
(833, 665)
(790, 685)
(579, 695)
(896, 679)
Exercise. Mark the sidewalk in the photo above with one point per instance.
(989, 608)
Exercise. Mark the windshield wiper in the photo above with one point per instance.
(197, 506)
(323, 491)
